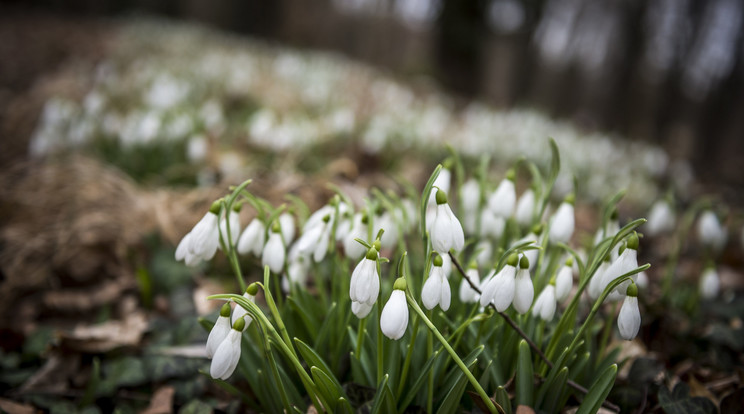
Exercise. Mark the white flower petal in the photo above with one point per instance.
(524, 291)
(226, 356)
(218, 334)
(629, 319)
(394, 318)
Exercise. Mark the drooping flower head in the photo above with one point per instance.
(219, 331)
(660, 218)
(502, 201)
(470, 196)
(227, 354)
(365, 282)
(500, 288)
(204, 237)
(524, 291)
(629, 319)
(436, 290)
(710, 283)
(446, 231)
(625, 262)
(562, 226)
(712, 234)
(394, 318)
(467, 293)
(233, 223)
(525, 208)
(253, 237)
(358, 230)
(564, 280)
(274, 252)
(545, 303)
(241, 313)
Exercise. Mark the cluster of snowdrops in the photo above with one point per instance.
(504, 250)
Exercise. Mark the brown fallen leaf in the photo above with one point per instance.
(9, 406)
(106, 336)
(161, 402)
(524, 409)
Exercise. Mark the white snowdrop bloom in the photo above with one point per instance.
(197, 148)
(227, 354)
(467, 293)
(629, 319)
(239, 312)
(446, 231)
(318, 217)
(626, 262)
(470, 198)
(642, 280)
(532, 236)
(204, 238)
(564, 281)
(500, 288)
(252, 239)
(492, 225)
(233, 222)
(365, 282)
(316, 239)
(712, 234)
(709, 284)
(352, 248)
(387, 222)
(287, 223)
(483, 253)
(524, 291)
(219, 331)
(361, 310)
(660, 219)
(446, 265)
(525, 208)
(545, 304)
(436, 290)
(182, 252)
(394, 318)
(562, 225)
(344, 226)
(595, 284)
(274, 252)
(297, 268)
(502, 201)
(442, 182)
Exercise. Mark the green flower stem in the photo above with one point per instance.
(277, 378)
(409, 356)
(474, 382)
(275, 311)
(228, 247)
(360, 337)
(606, 331)
(430, 380)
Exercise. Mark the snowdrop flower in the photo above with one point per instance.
(525, 208)
(297, 268)
(446, 231)
(239, 312)
(492, 225)
(499, 289)
(660, 218)
(365, 282)
(442, 182)
(502, 201)
(219, 331)
(316, 239)
(436, 290)
(564, 280)
(446, 265)
(533, 237)
(386, 221)
(252, 239)
(394, 318)
(344, 226)
(712, 233)
(709, 284)
(227, 355)
(182, 252)
(361, 310)
(595, 284)
(352, 248)
(545, 303)
(562, 226)
(287, 223)
(204, 238)
(629, 319)
(470, 198)
(274, 252)
(626, 262)
(233, 223)
(467, 293)
(524, 291)
(642, 280)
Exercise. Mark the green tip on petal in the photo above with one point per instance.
(570, 199)
(633, 241)
(215, 207)
(225, 310)
(276, 227)
(372, 254)
(512, 260)
(239, 325)
(632, 290)
(326, 218)
(252, 289)
(524, 262)
(441, 197)
(377, 245)
(438, 261)
(400, 284)
(511, 175)
(569, 261)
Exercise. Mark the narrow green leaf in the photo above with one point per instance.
(452, 400)
(524, 381)
(599, 391)
(384, 401)
(556, 387)
(343, 406)
(312, 358)
(327, 386)
(420, 380)
(502, 398)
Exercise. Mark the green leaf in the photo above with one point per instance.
(598, 392)
(502, 398)
(384, 401)
(524, 382)
(420, 380)
(680, 402)
(312, 358)
(556, 386)
(343, 406)
(452, 400)
(327, 386)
